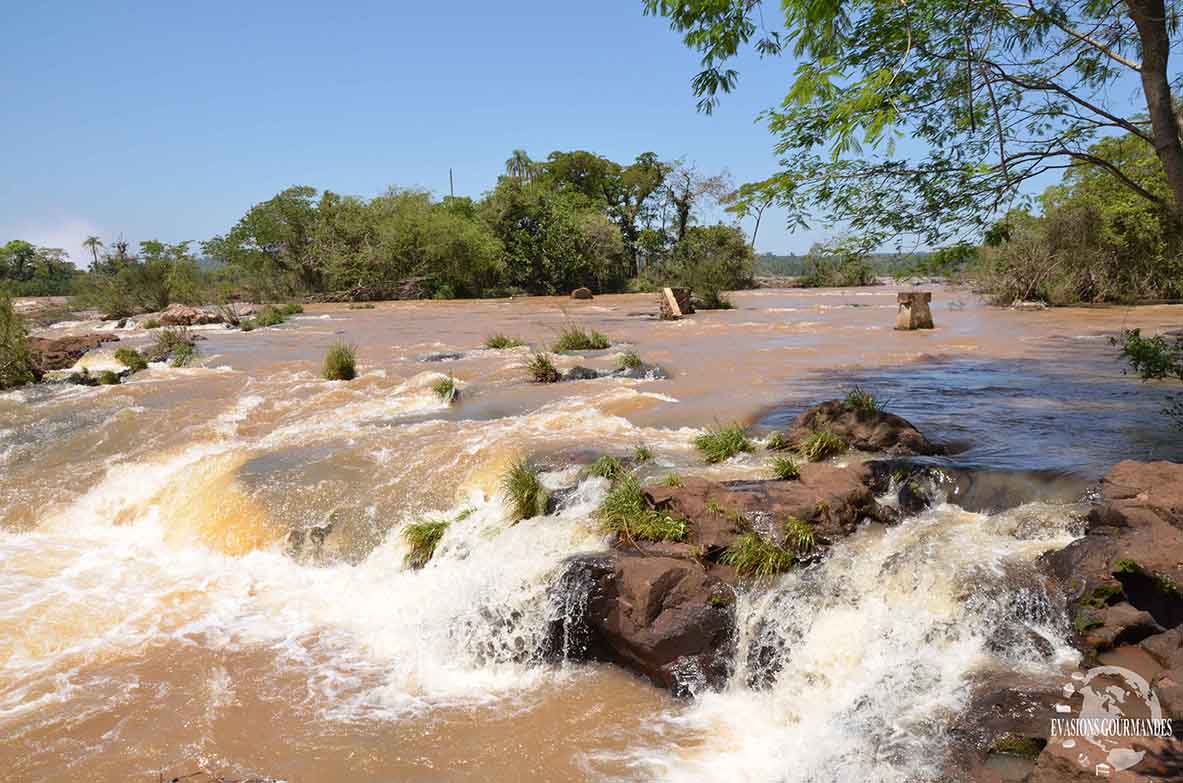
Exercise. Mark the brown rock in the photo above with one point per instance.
(864, 430)
(184, 315)
(58, 353)
(582, 293)
(662, 617)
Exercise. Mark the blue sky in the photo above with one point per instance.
(163, 120)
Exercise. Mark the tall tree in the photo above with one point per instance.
(997, 92)
(520, 167)
(93, 244)
(687, 189)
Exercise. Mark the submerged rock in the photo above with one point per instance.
(862, 429)
(581, 293)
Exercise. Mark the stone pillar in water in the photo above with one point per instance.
(674, 303)
(914, 312)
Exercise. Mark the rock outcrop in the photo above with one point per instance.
(867, 430)
(59, 353)
(582, 293)
(184, 315)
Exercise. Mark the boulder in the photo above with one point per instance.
(58, 353)
(913, 310)
(184, 315)
(665, 618)
(582, 293)
(862, 429)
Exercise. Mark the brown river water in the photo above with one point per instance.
(155, 619)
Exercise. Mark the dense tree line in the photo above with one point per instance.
(28, 270)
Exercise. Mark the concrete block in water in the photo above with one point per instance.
(674, 303)
(914, 311)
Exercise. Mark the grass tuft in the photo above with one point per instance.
(785, 468)
(630, 360)
(291, 308)
(446, 390)
(860, 400)
(522, 487)
(752, 556)
(607, 467)
(423, 537)
(673, 480)
(131, 359)
(822, 445)
(108, 378)
(183, 355)
(799, 536)
(502, 341)
(723, 442)
(576, 338)
(625, 511)
(642, 453)
(777, 442)
(542, 369)
(340, 363)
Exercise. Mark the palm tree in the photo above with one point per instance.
(93, 244)
(519, 166)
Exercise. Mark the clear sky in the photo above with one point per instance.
(167, 121)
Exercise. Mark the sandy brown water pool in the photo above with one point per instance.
(153, 616)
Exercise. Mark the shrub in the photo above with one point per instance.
(446, 389)
(151, 323)
(291, 308)
(16, 360)
(361, 306)
(501, 341)
(642, 453)
(862, 401)
(624, 511)
(269, 316)
(713, 300)
(248, 325)
(785, 468)
(839, 264)
(542, 369)
(108, 378)
(423, 537)
(183, 355)
(822, 445)
(131, 359)
(607, 467)
(167, 342)
(630, 360)
(522, 487)
(576, 338)
(340, 363)
(722, 442)
(752, 556)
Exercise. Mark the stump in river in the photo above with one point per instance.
(674, 303)
(914, 312)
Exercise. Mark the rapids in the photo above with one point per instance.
(155, 616)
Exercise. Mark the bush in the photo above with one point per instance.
(822, 445)
(361, 306)
(248, 325)
(624, 511)
(542, 369)
(167, 342)
(340, 363)
(713, 300)
(785, 469)
(289, 309)
(501, 342)
(269, 316)
(630, 360)
(1155, 359)
(709, 260)
(722, 442)
(575, 338)
(184, 355)
(838, 265)
(524, 491)
(108, 378)
(16, 359)
(151, 323)
(423, 537)
(131, 359)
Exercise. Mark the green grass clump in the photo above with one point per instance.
(673, 480)
(722, 442)
(576, 338)
(361, 306)
(500, 342)
(108, 378)
(607, 467)
(821, 445)
(642, 453)
(291, 308)
(340, 363)
(625, 511)
(183, 355)
(630, 360)
(752, 556)
(247, 325)
(799, 536)
(151, 323)
(785, 468)
(542, 369)
(167, 342)
(860, 400)
(521, 485)
(270, 316)
(131, 359)
(777, 442)
(445, 389)
(423, 537)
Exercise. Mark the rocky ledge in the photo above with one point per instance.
(58, 353)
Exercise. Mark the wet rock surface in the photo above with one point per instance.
(59, 353)
(865, 430)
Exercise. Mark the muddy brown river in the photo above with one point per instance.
(155, 618)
